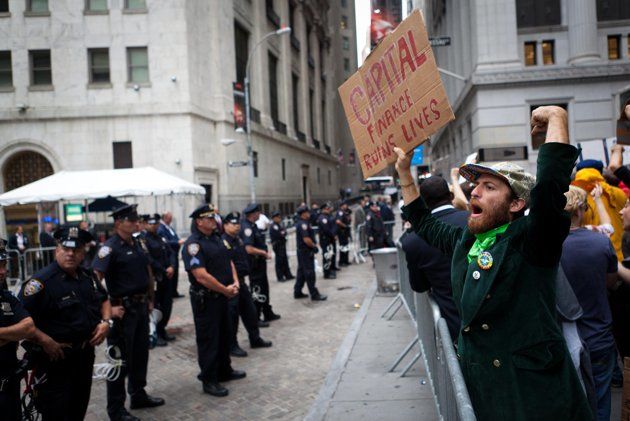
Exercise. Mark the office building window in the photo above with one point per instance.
(346, 43)
(135, 4)
(532, 13)
(273, 87)
(530, 53)
(613, 10)
(99, 65)
(122, 155)
(284, 169)
(41, 71)
(539, 139)
(344, 3)
(255, 162)
(628, 45)
(346, 64)
(319, 176)
(548, 52)
(241, 37)
(614, 47)
(137, 65)
(4, 6)
(207, 195)
(96, 5)
(324, 118)
(37, 6)
(329, 178)
(6, 73)
(295, 82)
(344, 22)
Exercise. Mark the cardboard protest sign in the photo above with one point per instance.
(396, 98)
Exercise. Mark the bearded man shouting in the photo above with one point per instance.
(511, 350)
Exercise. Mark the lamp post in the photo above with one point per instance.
(248, 136)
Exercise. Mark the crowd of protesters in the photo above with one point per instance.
(531, 274)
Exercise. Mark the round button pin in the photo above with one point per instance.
(476, 274)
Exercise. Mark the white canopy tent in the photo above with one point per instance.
(84, 185)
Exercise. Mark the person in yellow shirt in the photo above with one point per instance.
(588, 176)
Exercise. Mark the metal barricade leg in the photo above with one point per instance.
(391, 304)
(404, 353)
(411, 363)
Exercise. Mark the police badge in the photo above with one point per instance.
(193, 249)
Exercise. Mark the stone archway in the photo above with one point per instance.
(21, 168)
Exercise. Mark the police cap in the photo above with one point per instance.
(128, 212)
(275, 213)
(302, 209)
(326, 205)
(72, 237)
(251, 208)
(153, 219)
(203, 211)
(232, 218)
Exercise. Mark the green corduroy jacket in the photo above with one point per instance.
(511, 349)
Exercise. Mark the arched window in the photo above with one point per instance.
(23, 168)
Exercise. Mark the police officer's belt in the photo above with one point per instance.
(203, 292)
(130, 299)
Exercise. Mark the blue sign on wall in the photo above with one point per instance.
(418, 156)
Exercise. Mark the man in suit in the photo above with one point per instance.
(512, 353)
(168, 233)
(429, 268)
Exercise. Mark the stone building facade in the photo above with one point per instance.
(98, 84)
(519, 54)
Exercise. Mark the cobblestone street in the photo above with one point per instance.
(282, 382)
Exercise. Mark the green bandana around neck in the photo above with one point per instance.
(485, 240)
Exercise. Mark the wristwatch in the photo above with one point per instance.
(109, 322)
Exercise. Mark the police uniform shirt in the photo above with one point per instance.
(11, 312)
(238, 254)
(159, 251)
(303, 229)
(344, 218)
(326, 226)
(209, 252)
(277, 234)
(124, 266)
(252, 236)
(65, 308)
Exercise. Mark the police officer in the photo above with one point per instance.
(72, 315)
(306, 250)
(375, 228)
(343, 219)
(213, 280)
(123, 262)
(256, 248)
(241, 304)
(163, 262)
(278, 236)
(15, 325)
(327, 233)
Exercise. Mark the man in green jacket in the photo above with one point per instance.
(512, 353)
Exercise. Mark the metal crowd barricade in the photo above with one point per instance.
(436, 349)
(35, 259)
(359, 244)
(14, 270)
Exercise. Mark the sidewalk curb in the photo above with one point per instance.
(322, 401)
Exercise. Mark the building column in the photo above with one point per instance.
(582, 21)
(496, 41)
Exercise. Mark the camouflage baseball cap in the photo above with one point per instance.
(520, 182)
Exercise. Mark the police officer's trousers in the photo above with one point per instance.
(344, 241)
(283, 271)
(164, 302)
(131, 335)
(243, 305)
(260, 286)
(175, 278)
(210, 313)
(10, 408)
(65, 393)
(305, 273)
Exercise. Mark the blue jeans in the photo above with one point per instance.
(603, 363)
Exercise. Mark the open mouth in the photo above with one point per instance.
(475, 210)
